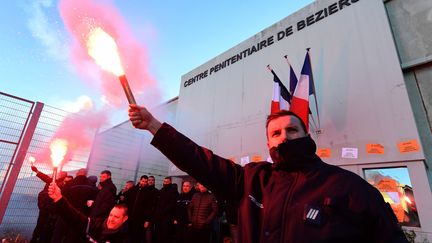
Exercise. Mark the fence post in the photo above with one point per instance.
(19, 159)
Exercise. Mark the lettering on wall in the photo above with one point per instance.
(280, 35)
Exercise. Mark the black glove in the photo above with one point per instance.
(34, 169)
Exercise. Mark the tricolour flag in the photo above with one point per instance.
(281, 96)
(293, 80)
(300, 99)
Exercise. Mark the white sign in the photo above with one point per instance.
(350, 153)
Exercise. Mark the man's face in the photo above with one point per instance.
(128, 186)
(186, 187)
(103, 177)
(284, 128)
(166, 181)
(151, 181)
(202, 188)
(116, 218)
(143, 182)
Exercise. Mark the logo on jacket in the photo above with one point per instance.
(258, 204)
(312, 214)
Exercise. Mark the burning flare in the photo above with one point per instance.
(31, 159)
(58, 151)
(103, 49)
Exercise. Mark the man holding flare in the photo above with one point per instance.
(298, 198)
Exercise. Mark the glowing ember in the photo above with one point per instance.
(32, 159)
(58, 150)
(407, 199)
(103, 49)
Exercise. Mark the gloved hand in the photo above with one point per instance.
(34, 169)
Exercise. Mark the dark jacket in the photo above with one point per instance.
(202, 210)
(105, 200)
(165, 209)
(310, 201)
(141, 202)
(97, 228)
(78, 192)
(181, 212)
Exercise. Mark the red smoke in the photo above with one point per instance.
(79, 16)
(79, 130)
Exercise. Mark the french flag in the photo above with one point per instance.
(281, 96)
(300, 99)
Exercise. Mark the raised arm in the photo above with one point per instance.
(220, 175)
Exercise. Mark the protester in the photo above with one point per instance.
(121, 195)
(152, 195)
(298, 198)
(46, 219)
(112, 229)
(181, 220)
(78, 192)
(106, 197)
(164, 213)
(202, 211)
(135, 199)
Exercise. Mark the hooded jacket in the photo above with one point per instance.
(305, 200)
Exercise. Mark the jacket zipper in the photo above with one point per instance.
(286, 204)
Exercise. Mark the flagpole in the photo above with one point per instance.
(280, 83)
(313, 84)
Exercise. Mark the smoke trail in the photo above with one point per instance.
(79, 17)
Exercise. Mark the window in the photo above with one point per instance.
(395, 186)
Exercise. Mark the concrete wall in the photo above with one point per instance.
(411, 22)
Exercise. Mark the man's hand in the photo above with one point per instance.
(141, 118)
(146, 224)
(33, 168)
(54, 192)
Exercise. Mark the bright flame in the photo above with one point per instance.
(103, 49)
(407, 199)
(58, 150)
(31, 159)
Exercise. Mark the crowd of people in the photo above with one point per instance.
(296, 198)
(81, 210)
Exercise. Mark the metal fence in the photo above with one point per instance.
(15, 113)
(121, 149)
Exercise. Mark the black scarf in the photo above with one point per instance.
(295, 154)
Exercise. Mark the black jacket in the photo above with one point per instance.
(105, 200)
(141, 202)
(308, 202)
(181, 212)
(97, 229)
(202, 210)
(78, 192)
(165, 209)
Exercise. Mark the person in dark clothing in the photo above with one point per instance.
(78, 192)
(46, 219)
(121, 195)
(135, 199)
(164, 213)
(112, 229)
(152, 195)
(298, 198)
(106, 197)
(202, 211)
(231, 211)
(181, 220)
